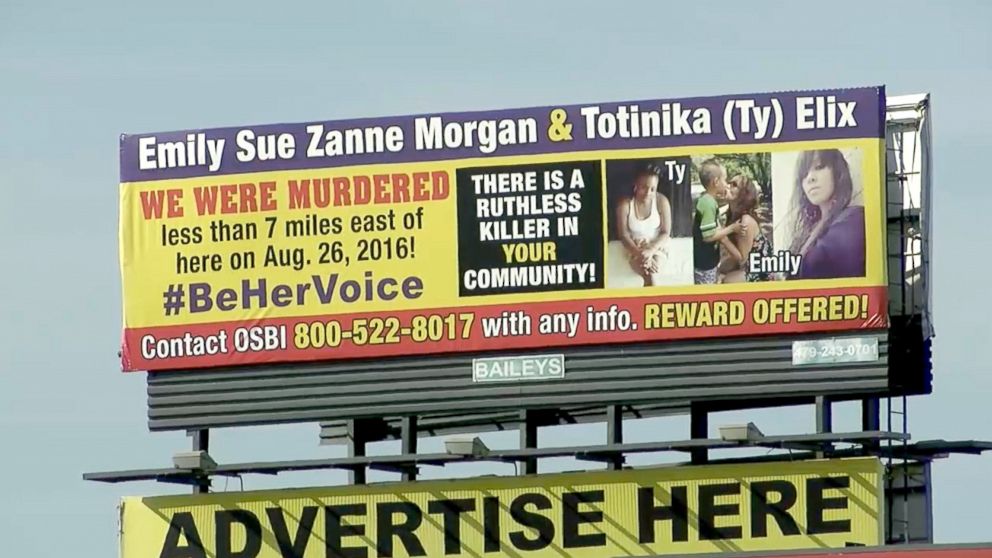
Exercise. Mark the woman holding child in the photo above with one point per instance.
(745, 207)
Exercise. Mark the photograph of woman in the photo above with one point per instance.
(828, 229)
(745, 206)
(643, 224)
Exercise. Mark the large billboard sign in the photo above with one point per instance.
(497, 231)
(670, 511)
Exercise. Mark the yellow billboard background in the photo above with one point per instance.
(148, 267)
(830, 503)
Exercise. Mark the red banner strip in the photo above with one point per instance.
(503, 328)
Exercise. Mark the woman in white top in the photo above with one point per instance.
(644, 224)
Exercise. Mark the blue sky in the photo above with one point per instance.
(73, 76)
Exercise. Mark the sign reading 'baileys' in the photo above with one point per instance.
(516, 368)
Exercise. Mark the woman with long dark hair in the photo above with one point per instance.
(745, 206)
(829, 232)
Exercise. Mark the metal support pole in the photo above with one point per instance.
(528, 439)
(201, 442)
(356, 448)
(824, 416)
(408, 444)
(871, 420)
(824, 419)
(928, 503)
(614, 434)
(870, 415)
(698, 430)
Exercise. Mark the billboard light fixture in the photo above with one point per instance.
(466, 445)
(740, 433)
(195, 460)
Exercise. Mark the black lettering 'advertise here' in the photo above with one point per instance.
(334, 531)
(452, 510)
(573, 519)
(225, 521)
(709, 511)
(182, 527)
(386, 530)
(542, 525)
(762, 509)
(718, 513)
(490, 514)
(648, 513)
(295, 546)
(817, 503)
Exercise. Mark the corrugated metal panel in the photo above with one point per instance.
(665, 375)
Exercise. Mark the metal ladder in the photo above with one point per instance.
(904, 215)
(897, 413)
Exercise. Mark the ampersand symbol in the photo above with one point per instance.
(559, 130)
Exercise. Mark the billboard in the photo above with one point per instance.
(670, 511)
(591, 224)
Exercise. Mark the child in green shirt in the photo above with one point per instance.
(707, 235)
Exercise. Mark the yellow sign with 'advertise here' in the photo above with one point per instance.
(668, 511)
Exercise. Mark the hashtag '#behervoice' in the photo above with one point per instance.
(173, 300)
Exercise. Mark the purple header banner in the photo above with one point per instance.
(722, 120)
